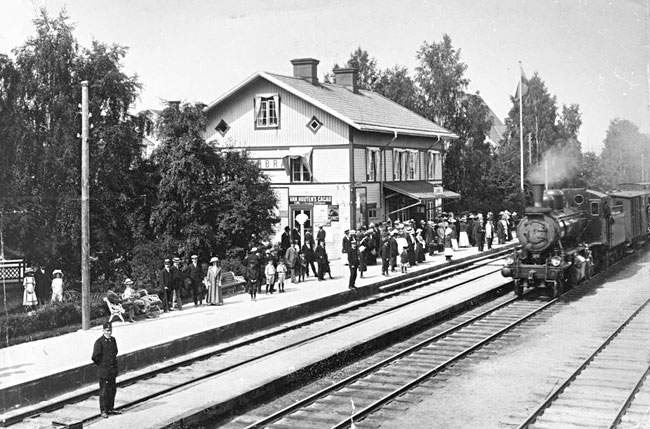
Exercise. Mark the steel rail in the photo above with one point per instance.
(623, 408)
(365, 412)
(556, 393)
(366, 371)
(413, 283)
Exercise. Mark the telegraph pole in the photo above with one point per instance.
(85, 212)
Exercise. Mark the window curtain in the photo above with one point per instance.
(258, 107)
(303, 153)
(276, 101)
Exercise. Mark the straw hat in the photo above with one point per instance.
(214, 259)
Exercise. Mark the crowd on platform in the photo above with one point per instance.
(393, 244)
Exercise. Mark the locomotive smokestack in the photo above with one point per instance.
(538, 194)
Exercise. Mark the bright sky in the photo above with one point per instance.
(590, 52)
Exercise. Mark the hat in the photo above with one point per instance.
(319, 226)
(346, 231)
(372, 225)
(107, 325)
(352, 231)
(55, 272)
(128, 282)
(393, 232)
(409, 229)
(214, 259)
(195, 257)
(177, 259)
(254, 249)
(167, 261)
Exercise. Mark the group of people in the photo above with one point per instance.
(203, 284)
(274, 264)
(39, 288)
(405, 244)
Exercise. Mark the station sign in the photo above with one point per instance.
(269, 163)
(310, 199)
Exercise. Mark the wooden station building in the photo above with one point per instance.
(342, 156)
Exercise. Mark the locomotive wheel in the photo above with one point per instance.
(519, 288)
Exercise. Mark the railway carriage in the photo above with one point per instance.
(567, 233)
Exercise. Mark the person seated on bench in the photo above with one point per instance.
(131, 296)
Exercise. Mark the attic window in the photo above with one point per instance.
(314, 125)
(222, 128)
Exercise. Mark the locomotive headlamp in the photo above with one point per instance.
(556, 261)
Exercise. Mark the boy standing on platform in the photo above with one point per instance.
(105, 357)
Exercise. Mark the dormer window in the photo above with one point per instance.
(222, 128)
(267, 111)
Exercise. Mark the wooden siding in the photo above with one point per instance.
(295, 113)
(331, 165)
(422, 144)
(359, 165)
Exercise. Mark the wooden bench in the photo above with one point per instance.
(231, 284)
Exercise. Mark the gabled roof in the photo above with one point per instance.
(365, 111)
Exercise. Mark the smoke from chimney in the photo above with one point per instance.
(558, 164)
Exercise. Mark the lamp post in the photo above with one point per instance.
(85, 212)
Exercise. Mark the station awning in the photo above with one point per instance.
(303, 153)
(421, 190)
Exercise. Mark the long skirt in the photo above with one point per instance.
(214, 295)
(454, 244)
(463, 239)
(29, 298)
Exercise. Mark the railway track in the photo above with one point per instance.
(158, 380)
(361, 394)
(608, 389)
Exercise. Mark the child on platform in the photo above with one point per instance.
(269, 271)
(404, 259)
(281, 269)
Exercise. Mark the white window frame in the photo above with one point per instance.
(267, 111)
(373, 164)
(432, 164)
(406, 164)
(299, 173)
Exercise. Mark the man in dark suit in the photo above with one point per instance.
(105, 357)
(195, 274)
(43, 283)
(353, 263)
(177, 284)
(393, 250)
(166, 286)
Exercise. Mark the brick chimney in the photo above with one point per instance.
(306, 68)
(348, 78)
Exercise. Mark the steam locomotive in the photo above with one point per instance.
(568, 234)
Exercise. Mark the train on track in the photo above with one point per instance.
(568, 234)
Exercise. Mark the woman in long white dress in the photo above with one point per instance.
(29, 294)
(214, 283)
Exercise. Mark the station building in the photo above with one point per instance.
(340, 156)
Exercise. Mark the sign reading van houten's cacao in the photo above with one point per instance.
(310, 199)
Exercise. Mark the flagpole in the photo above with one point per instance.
(521, 127)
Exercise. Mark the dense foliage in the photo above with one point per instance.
(186, 198)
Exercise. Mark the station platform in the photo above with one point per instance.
(40, 371)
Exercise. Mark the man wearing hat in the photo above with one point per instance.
(105, 357)
(177, 284)
(320, 235)
(195, 274)
(345, 242)
(165, 284)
